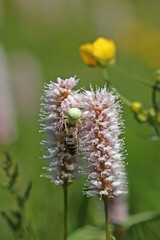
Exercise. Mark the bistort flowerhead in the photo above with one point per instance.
(99, 53)
(57, 100)
(101, 129)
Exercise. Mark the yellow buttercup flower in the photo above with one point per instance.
(101, 52)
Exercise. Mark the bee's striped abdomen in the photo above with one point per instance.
(71, 144)
(71, 130)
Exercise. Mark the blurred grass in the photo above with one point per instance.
(54, 37)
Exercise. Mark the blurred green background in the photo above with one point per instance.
(39, 41)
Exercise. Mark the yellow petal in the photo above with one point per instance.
(104, 50)
(87, 55)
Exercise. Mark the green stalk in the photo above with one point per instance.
(129, 75)
(65, 191)
(124, 100)
(105, 200)
(155, 91)
(109, 85)
(106, 76)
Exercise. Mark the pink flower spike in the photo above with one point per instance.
(101, 129)
(57, 99)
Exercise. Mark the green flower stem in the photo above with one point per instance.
(155, 90)
(105, 200)
(124, 72)
(106, 78)
(156, 129)
(124, 100)
(65, 191)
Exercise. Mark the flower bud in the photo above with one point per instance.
(158, 117)
(136, 107)
(142, 117)
(151, 112)
(157, 75)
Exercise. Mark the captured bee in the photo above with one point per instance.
(70, 124)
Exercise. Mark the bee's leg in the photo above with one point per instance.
(65, 125)
(80, 122)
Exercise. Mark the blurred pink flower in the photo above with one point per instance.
(58, 98)
(27, 81)
(8, 124)
(104, 150)
(118, 209)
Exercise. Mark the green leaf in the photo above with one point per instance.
(8, 164)
(141, 218)
(13, 176)
(87, 233)
(28, 190)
